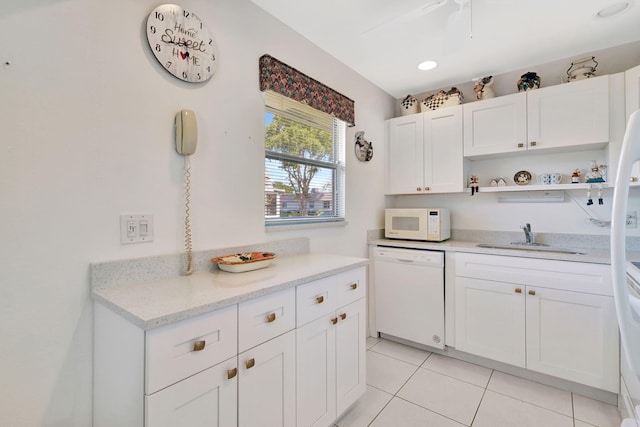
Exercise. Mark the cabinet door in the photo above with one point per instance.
(207, 399)
(632, 99)
(266, 384)
(497, 125)
(443, 160)
(315, 372)
(490, 319)
(570, 114)
(573, 335)
(351, 369)
(405, 154)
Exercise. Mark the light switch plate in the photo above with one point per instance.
(136, 228)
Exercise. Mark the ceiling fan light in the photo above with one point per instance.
(427, 65)
(614, 9)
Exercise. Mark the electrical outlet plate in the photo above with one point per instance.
(136, 228)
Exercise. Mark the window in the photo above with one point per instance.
(304, 163)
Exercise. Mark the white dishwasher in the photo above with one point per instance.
(409, 294)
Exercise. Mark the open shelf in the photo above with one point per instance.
(538, 187)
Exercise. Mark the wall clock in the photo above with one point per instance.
(182, 43)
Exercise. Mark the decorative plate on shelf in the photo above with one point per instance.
(522, 178)
(247, 261)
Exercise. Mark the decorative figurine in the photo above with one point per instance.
(597, 174)
(502, 182)
(575, 176)
(363, 148)
(493, 183)
(483, 89)
(473, 184)
(528, 81)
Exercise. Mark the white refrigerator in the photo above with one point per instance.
(626, 278)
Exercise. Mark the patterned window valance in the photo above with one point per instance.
(285, 80)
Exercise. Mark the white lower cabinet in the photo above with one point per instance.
(490, 320)
(237, 366)
(206, 399)
(266, 384)
(573, 335)
(331, 350)
(553, 317)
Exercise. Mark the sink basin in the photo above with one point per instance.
(538, 247)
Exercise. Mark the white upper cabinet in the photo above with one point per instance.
(496, 125)
(570, 114)
(566, 115)
(425, 153)
(443, 158)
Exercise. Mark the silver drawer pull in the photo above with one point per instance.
(271, 317)
(199, 345)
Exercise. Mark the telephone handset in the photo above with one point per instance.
(186, 132)
(186, 142)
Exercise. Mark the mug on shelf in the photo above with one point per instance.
(544, 178)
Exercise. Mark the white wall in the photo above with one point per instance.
(86, 118)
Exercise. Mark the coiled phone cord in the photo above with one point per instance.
(188, 269)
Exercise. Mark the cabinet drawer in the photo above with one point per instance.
(351, 286)
(264, 318)
(564, 275)
(315, 299)
(176, 351)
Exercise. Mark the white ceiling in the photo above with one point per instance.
(384, 40)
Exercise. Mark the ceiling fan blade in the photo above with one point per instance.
(407, 17)
(458, 28)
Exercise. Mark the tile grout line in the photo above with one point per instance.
(481, 398)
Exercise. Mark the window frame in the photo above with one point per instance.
(336, 166)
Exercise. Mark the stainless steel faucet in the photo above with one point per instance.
(528, 234)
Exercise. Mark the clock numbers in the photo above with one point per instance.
(181, 43)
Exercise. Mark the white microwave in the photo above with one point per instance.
(433, 225)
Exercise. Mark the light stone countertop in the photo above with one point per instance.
(167, 300)
(593, 255)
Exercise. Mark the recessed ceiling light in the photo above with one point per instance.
(427, 65)
(614, 9)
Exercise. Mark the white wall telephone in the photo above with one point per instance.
(186, 142)
(186, 132)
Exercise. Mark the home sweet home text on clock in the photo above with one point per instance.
(181, 43)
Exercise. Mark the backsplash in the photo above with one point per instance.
(114, 273)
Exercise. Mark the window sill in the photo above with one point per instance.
(304, 225)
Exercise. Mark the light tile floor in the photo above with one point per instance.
(409, 387)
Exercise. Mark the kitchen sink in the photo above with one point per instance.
(538, 247)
